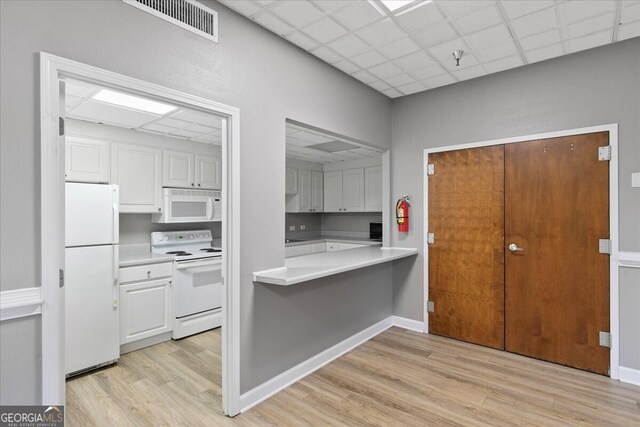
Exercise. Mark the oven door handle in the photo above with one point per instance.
(210, 209)
(193, 264)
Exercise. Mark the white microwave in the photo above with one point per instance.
(189, 206)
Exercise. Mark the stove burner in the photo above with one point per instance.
(178, 253)
(210, 250)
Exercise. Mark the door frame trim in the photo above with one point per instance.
(612, 128)
(52, 69)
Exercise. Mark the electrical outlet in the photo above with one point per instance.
(292, 228)
(302, 227)
(635, 179)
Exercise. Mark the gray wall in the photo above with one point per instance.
(20, 362)
(593, 87)
(331, 224)
(269, 79)
(136, 229)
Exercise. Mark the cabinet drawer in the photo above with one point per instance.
(145, 272)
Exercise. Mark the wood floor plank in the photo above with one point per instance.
(399, 378)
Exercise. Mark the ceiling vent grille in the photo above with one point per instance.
(188, 14)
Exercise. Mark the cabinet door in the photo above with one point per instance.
(317, 191)
(86, 159)
(291, 181)
(136, 169)
(318, 247)
(333, 246)
(177, 169)
(353, 190)
(304, 190)
(146, 309)
(208, 172)
(333, 191)
(373, 189)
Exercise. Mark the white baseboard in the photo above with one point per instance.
(20, 303)
(410, 324)
(629, 375)
(269, 388)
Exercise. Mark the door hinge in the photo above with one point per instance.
(604, 246)
(604, 153)
(61, 278)
(605, 339)
(431, 307)
(431, 169)
(60, 126)
(431, 238)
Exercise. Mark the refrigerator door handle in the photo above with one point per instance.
(116, 288)
(116, 214)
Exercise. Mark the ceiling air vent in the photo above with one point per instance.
(188, 14)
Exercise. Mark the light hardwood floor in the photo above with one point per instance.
(399, 378)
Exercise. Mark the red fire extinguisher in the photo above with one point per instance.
(402, 213)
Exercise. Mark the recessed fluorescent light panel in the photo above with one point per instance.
(130, 101)
(396, 4)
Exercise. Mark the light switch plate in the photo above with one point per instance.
(292, 228)
(635, 179)
(302, 227)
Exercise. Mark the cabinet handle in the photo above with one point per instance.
(199, 185)
(192, 184)
(159, 209)
(148, 273)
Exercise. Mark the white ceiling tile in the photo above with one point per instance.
(498, 52)
(504, 64)
(392, 93)
(591, 25)
(414, 61)
(274, 24)
(369, 59)
(364, 77)
(325, 30)
(185, 133)
(379, 85)
(470, 72)
(444, 51)
(349, 46)
(297, 13)
(158, 128)
(301, 40)
(593, 40)
(77, 89)
(540, 40)
(468, 60)
(171, 122)
(478, 20)
(399, 48)
(385, 70)
(628, 31)
(332, 5)
(517, 8)
(544, 53)
(399, 80)
(424, 15)
(428, 72)
(411, 88)
(537, 22)
(381, 33)
(199, 128)
(327, 55)
(462, 7)
(578, 10)
(358, 14)
(490, 37)
(346, 66)
(630, 12)
(265, 2)
(435, 35)
(441, 80)
(106, 113)
(245, 7)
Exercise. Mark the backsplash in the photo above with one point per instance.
(135, 229)
(330, 224)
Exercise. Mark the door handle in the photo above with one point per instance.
(514, 248)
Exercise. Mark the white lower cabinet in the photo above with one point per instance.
(314, 248)
(146, 303)
(340, 246)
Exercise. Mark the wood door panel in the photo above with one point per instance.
(466, 262)
(557, 289)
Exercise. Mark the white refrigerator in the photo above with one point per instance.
(91, 276)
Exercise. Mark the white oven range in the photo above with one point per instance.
(197, 279)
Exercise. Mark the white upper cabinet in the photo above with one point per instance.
(304, 191)
(309, 192)
(208, 174)
(137, 170)
(178, 171)
(353, 190)
(87, 159)
(333, 191)
(291, 181)
(373, 189)
(317, 191)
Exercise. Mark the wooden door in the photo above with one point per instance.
(557, 287)
(466, 261)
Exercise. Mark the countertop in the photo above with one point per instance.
(131, 255)
(309, 267)
(320, 239)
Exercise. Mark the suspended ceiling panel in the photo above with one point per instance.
(409, 49)
(181, 123)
